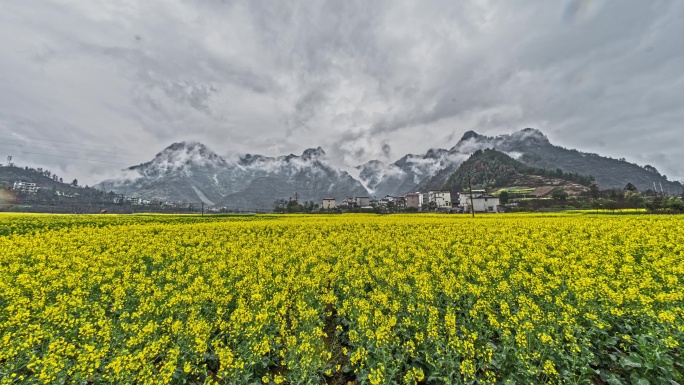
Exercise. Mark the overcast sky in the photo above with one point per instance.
(118, 81)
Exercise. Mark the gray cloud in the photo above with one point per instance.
(362, 79)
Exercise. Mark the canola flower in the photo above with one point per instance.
(325, 299)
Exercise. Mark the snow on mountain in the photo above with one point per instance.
(408, 173)
(309, 177)
(431, 170)
(185, 171)
(191, 172)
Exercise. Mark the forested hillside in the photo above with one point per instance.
(492, 169)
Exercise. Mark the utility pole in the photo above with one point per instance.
(472, 206)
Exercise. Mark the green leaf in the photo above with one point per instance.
(629, 362)
(636, 380)
(613, 380)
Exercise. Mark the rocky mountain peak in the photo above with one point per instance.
(185, 146)
(181, 155)
(188, 148)
(313, 153)
(469, 135)
(435, 153)
(248, 159)
(531, 135)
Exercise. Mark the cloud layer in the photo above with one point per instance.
(119, 81)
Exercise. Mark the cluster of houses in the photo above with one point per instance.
(478, 200)
(25, 187)
(120, 199)
(32, 188)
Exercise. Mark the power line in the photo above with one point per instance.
(63, 141)
(61, 146)
(21, 147)
(69, 157)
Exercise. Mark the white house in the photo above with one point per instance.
(386, 200)
(328, 203)
(465, 196)
(362, 201)
(481, 204)
(414, 200)
(441, 199)
(26, 187)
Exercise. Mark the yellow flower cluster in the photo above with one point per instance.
(315, 299)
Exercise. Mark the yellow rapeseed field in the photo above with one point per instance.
(329, 299)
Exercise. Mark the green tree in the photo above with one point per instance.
(634, 198)
(390, 206)
(594, 191)
(280, 205)
(630, 187)
(294, 207)
(559, 194)
(504, 197)
(74, 182)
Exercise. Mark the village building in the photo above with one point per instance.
(465, 195)
(400, 203)
(439, 199)
(481, 203)
(414, 200)
(25, 187)
(362, 201)
(328, 203)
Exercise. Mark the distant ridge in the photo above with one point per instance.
(190, 171)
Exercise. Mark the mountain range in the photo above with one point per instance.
(191, 172)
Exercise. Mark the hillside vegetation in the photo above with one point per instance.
(51, 188)
(493, 169)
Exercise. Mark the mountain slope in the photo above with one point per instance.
(533, 148)
(49, 186)
(409, 173)
(308, 177)
(490, 169)
(181, 172)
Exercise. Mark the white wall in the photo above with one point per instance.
(481, 204)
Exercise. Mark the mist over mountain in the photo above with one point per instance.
(309, 177)
(533, 148)
(185, 171)
(530, 146)
(191, 172)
